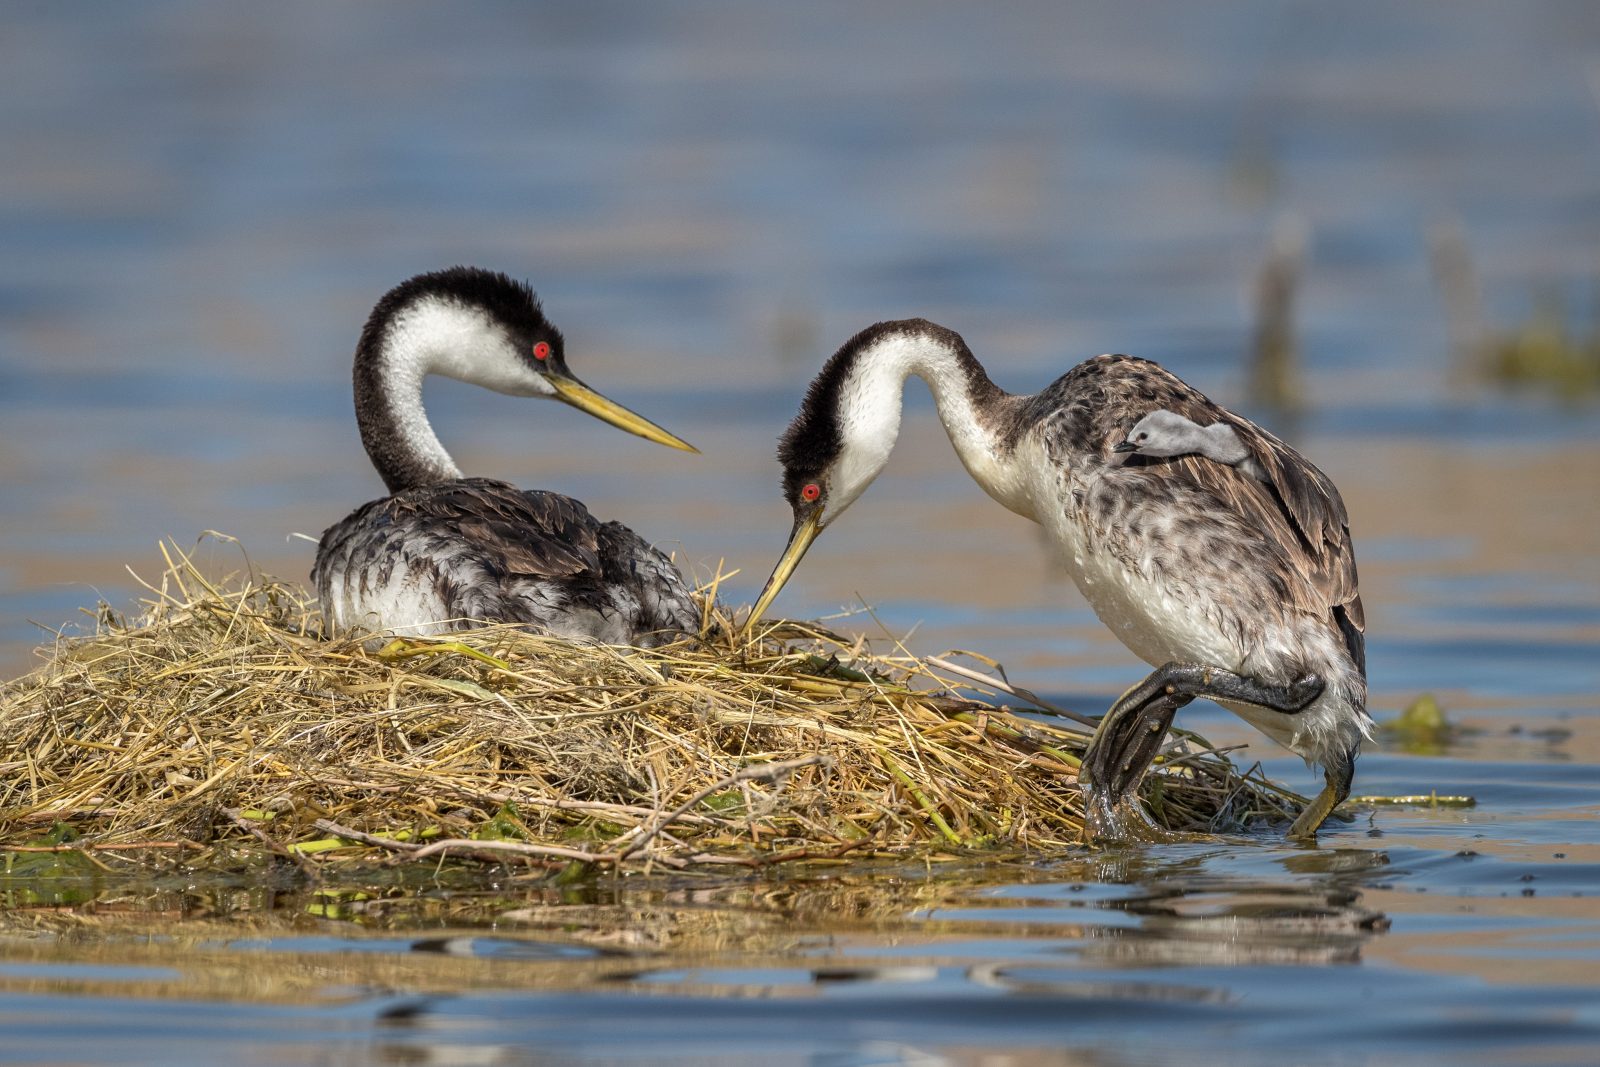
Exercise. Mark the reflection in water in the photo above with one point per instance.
(1069, 986)
(502, 948)
(1183, 943)
(819, 931)
(1242, 925)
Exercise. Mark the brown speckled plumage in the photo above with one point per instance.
(492, 551)
(1286, 541)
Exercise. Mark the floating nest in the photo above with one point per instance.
(221, 718)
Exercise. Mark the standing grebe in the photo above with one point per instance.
(444, 551)
(1239, 589)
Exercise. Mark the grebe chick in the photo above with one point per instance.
(1164, 434)
(1235, 588)
(444, 552)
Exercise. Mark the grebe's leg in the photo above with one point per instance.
(1130, 734)
(1338, 775)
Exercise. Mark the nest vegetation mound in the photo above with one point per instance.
(222, 716)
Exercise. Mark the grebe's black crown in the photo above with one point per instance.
(511, 303)
(814, 439)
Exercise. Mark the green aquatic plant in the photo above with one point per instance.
(1543, 352)
(1422, 729)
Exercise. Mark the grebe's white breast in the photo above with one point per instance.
(1178, 579)
(403, 603)
(1151, 609)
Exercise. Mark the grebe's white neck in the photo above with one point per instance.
(432, 335)
(972, 408)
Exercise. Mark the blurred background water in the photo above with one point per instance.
(200, 202)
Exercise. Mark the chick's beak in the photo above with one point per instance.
(571, 391)
(1126, 446)
(806, 528)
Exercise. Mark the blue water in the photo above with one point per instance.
(1395, 942)
(202, 201)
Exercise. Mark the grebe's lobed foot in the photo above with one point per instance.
(1110, 820)
(1130, 734)
(1129, 737)
(1119, 755)
(663, 638)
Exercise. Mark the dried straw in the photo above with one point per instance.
(220, 717)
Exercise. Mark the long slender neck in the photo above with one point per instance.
(976, 413)
(392, 359)
(1223, 444)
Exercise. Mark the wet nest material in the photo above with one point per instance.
(221, 718)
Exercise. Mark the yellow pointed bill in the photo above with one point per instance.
(585, 399)
(805, 532)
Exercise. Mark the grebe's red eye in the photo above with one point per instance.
(811, 491)
(541, 351)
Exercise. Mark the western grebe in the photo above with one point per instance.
(443, 551)
(1237, 588)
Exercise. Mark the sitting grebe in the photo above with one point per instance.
(443, 552)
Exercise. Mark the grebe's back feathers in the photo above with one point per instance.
(1297, 509)
(480, 549)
